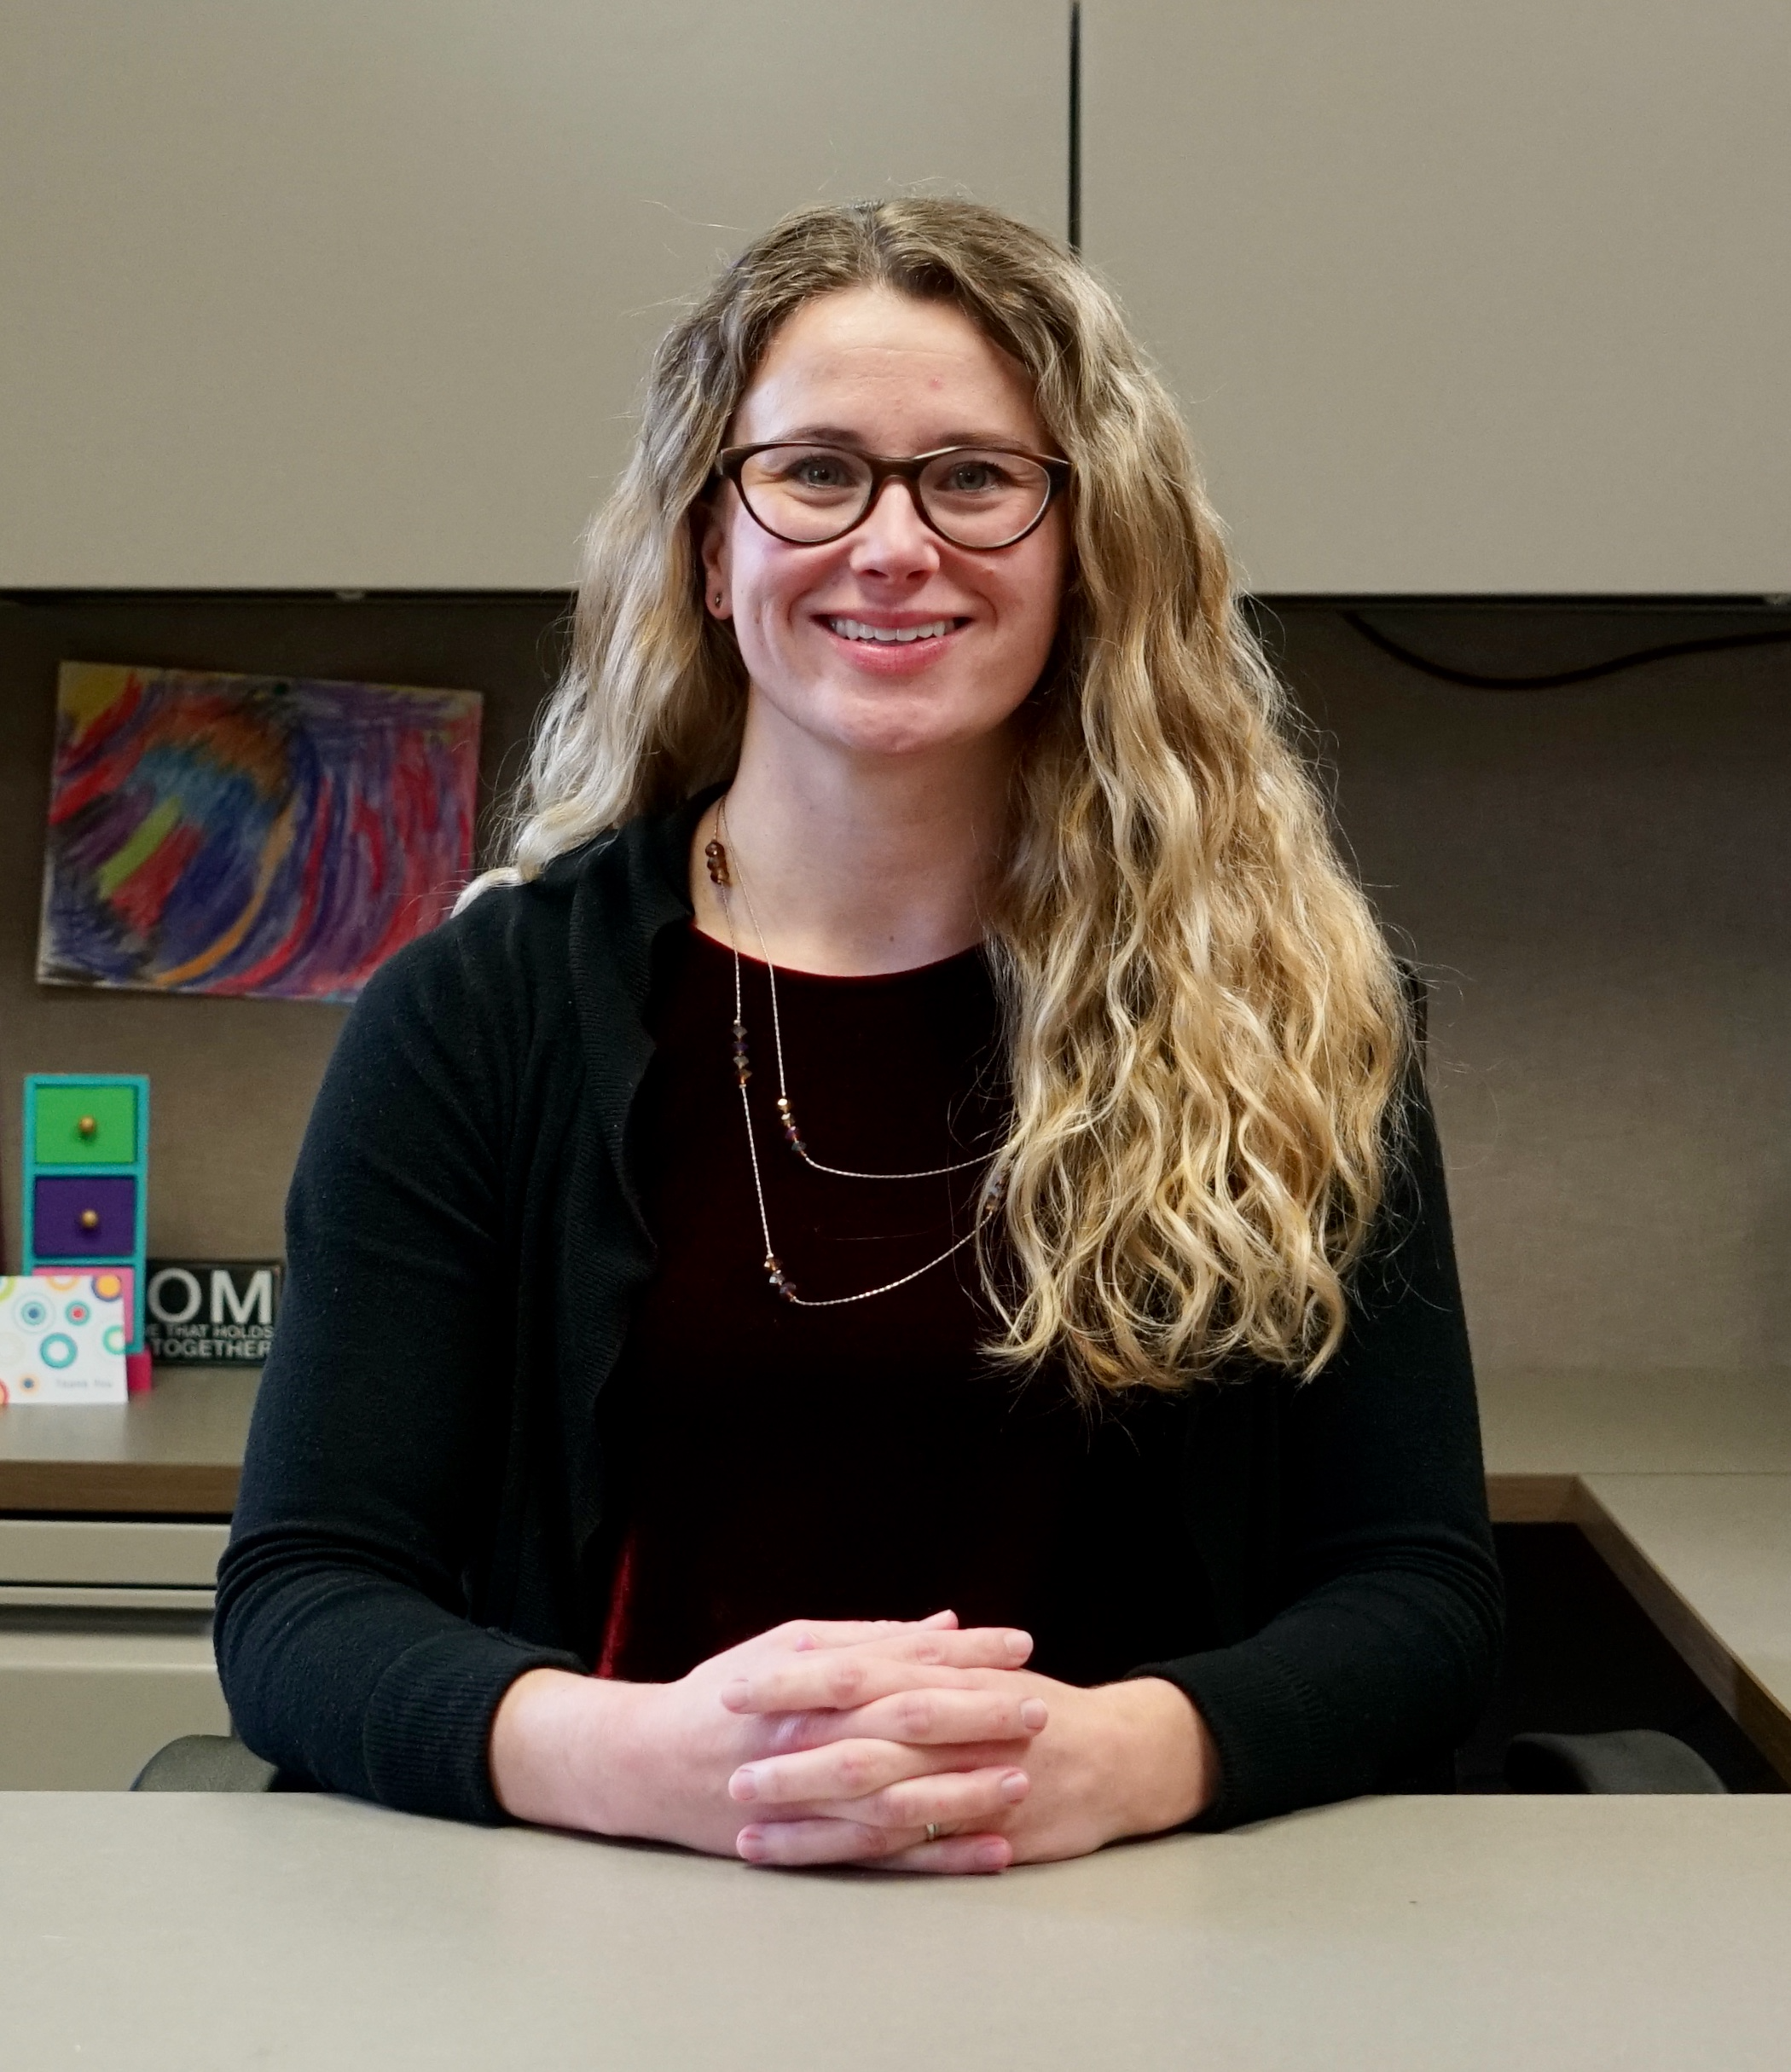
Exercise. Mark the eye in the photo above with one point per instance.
(812, 468)
(974, 476)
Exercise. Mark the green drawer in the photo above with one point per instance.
(85, 1125)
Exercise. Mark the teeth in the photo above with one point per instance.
(856, 629)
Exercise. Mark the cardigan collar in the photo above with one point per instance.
(625, 887)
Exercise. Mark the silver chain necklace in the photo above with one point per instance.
(721, 875)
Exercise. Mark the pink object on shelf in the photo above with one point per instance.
(138, 1378)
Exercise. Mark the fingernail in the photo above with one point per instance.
(991, 1856)
(750, 1842)
(1013, 1786)
(734, 1695)
(743, 1784)
(1033, 1714)
(1019, 1645)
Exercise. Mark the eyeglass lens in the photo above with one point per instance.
(976, 497)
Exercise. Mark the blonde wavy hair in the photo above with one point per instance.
(1204, 1028)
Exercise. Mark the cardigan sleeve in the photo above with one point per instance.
(1385, 1643)
(342, 1636)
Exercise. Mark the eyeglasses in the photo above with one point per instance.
(977, 496)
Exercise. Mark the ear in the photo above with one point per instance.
(712, 553)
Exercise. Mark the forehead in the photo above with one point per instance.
(886, 368)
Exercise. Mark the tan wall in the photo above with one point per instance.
(1594, 879)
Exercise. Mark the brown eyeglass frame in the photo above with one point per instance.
(885, 467)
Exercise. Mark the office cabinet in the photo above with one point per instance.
(105, 1648)
(321, 295)
(1463, 299)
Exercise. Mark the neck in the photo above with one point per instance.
(858, 865)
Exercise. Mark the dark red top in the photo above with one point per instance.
(859, 1461)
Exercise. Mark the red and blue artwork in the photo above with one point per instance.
(266, 836)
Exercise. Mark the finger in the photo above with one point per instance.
(846, 1769)
(931, 1716)
(953, 1855)
(804, 1634)
(949, 1738)
(963, 1801)
(853, 1769)
(821, 1841)
(832, 1679)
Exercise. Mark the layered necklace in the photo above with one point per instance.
(722, 875)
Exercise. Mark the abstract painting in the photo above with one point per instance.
(265, 836)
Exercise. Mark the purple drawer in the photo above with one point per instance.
(62, 1208)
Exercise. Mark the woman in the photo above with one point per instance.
(904, 1234)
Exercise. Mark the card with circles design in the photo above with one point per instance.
(62, 1337)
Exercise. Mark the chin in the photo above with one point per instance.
(894, 722)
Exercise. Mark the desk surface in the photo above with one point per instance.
(1545, 1430)
(1438, 1934)
(1709, 1557)
(176, 1451)
(1682, 1482)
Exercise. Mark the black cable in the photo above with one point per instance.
(1557, 679)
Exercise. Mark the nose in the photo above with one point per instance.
(892, 541)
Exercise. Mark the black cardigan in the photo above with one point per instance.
(422, 1515)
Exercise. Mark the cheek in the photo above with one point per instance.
(1037, 596)
(770, 580)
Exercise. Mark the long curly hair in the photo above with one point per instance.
(1204, 1028)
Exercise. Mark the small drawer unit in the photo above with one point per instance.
(79, 1122)
(86, 1174)
(92, 1218)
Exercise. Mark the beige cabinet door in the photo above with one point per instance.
(321, 294)
(105, 1648)
(89, 1694)
(1460, 296)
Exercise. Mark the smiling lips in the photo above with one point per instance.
(892, 636)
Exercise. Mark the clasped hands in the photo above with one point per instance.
(913, 1746)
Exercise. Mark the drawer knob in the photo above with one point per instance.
(90, 1220)
(87, 1127)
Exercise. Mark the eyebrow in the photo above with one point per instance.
(840, 435)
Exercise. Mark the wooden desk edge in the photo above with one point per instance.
(146, 1487)
(1532, 1499)
(120, 1489)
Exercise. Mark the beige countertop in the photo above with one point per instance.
(1404, 1934)
(1681, 1479)
(1543, 1430)
(1709, 1556)
(175, 1451)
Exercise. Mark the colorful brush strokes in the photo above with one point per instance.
(262, 836)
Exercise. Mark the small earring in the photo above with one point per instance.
(718, 597)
